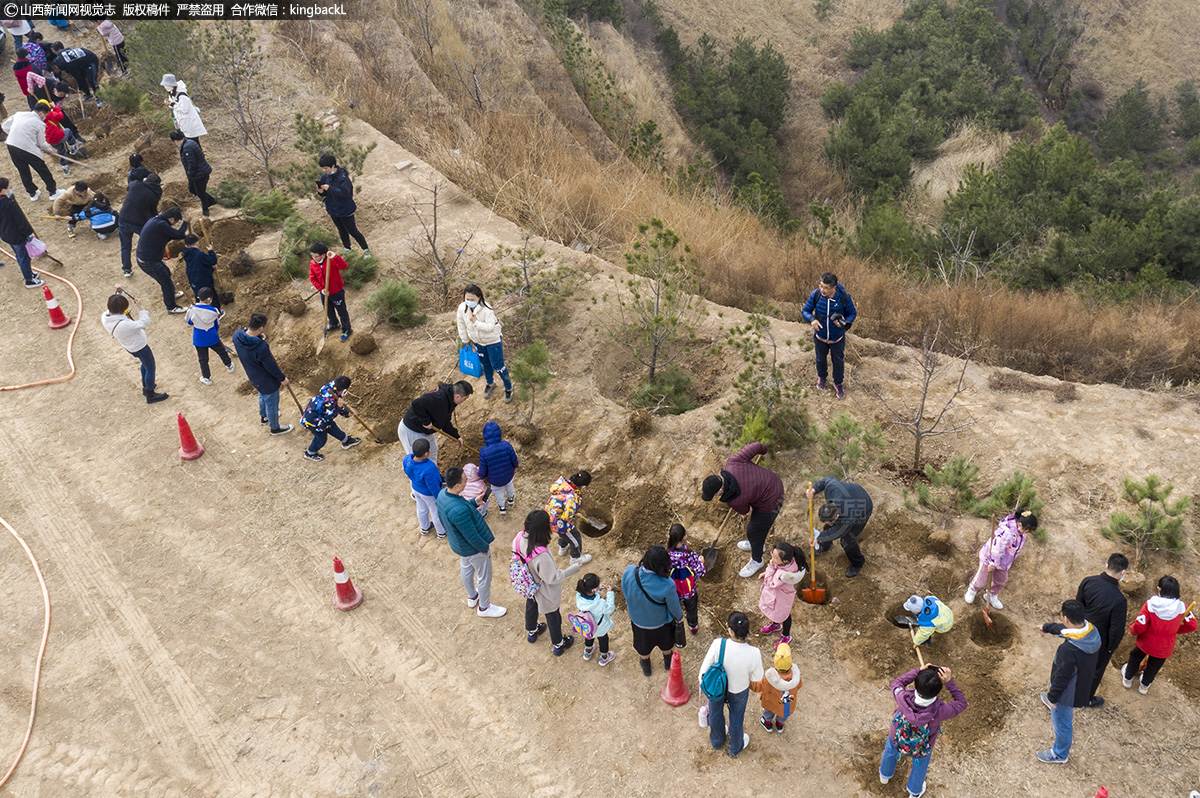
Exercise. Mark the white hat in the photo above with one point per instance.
(914, 604)
(168, 81)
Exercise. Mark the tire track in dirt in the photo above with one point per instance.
(91, 577)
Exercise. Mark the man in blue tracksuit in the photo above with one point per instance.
(830, 311)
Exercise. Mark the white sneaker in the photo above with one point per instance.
(35, 196)
(995, 602)
(494, 611)
(744, 545)
(229, 368)
(884, 779)
(562, 550)
(970, 596)
(582, 559)
(745, 741)
(56, 194)
(1143, 688)
(750, 569)
(1125, 680)
(206, 380)
(472, 602)
(102, 236)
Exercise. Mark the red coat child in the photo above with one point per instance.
(1158, 623)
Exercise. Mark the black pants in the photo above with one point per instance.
(122, 59)
(162, 275)
(603, 640)
(836, 352)
(25, 161)
(1103, 657)
(199, 187)
(347, 228)
(553, 621)
(202, 355)
(849, 543)
(690, 607)
(787, 627)
(1152, 667)
(86, 73)
(336, 312)
(757, 529)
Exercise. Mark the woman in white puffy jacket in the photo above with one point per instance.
(183, 110)
(479, 327)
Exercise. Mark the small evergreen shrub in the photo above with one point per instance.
(668, 394)
(397, 304)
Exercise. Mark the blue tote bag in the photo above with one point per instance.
(469, 362)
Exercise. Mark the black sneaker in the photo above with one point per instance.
(154, 397)
(126, 273)
(533, 636)
(852, 571)
(508, 396)
(346, 444)
(316, 457)
(262, 420)
(284, 430)
(425, 530)
(562, 647)
(36, 282)
(646, 668)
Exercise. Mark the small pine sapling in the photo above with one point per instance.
(846, 444)
(1015, 493)
(951, 488)
(540, 287)
(530, 371)
(397, 304)
(1156, 522)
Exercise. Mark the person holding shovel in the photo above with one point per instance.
(200, 266)
(325, 274)
(320, 417)
(845, 513)
(932, 616)
(196, 168)
(16, 231)
(563, 508)
(152, 243)
(263, 372)
(131, 334)
(748, 488)
(432, 412)
(918, 722)
(998, 555)
(140, 206)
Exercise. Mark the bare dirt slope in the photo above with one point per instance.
(195, 652)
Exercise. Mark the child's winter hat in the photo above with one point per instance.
(783, 658)
(914, 604)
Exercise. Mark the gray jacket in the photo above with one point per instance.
(549, 577)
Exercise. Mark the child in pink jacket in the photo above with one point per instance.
(998, 554)
(787, 568)
(477, 489)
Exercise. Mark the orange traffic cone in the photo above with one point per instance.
(676, 693)
(58, 319)
(1102, 792)
(347, 596)
(189, 449)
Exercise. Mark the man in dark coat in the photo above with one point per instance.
(1106, 607)
(15, 231)
(196, 168)
(845, 513)
(139, 207)
(431, 412)
(262, 370)
(337, 192)
(81, 64)
(152, 242)
(1070, 676)
(748, 488)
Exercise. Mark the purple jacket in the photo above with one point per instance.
(758, 488)
(930, 717)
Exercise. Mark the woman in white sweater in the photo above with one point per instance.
(183, 110)
(743, 670)
(479, 327)
(131, 334)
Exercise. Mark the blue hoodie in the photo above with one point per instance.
(821, 308)
(1074, 663)
(261, 369)
(497, 460)
(339, 197)
(424, 475)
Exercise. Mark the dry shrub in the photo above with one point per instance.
(935, 180)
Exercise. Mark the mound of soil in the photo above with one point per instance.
(363, 344)
(640, 423)
(230, 236)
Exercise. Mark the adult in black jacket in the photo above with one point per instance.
(137, 170)
(337, 192)
(262, 370)
(153, 239)
(196, 168)
(15, 231)
(1107, 608)
(431, 412)
(81, 64)
(139, 207)
(845, 513)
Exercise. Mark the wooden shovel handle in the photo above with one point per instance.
(913, 633)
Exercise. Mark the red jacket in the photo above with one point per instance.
(760, 488)
(54, 130)
(21, 73)
(1159, 621)
(316, 273)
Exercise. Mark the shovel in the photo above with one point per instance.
(913, 632)
(367, 426)
(1146, 661)
(294, 399)
(710, 553)
(465, 446)
(814, 594)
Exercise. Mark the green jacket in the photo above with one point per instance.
(467, 531)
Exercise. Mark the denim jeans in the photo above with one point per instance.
(737, 714)
(492, 357)
(126, 232)
(268, 408)
(147, 357)
(1063, 718)
(320, 436)
(920, 766)
(23, 261)
(836, 352)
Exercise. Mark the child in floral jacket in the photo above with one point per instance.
(998, 554)
(320, 418)
(686, 569)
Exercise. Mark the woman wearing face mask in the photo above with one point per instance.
(479, 327)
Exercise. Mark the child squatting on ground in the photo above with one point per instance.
(998, 555)
(918, 721)
(932, 616)
(594, 620)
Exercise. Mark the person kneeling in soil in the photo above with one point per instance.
(918, 721)
(998, 554)
(595, 616)
(786, 570)
(777, 691)
(687, 567)
(1160, 621)
(932, 616)
(530, 545)
(563, 508)
(320, 418)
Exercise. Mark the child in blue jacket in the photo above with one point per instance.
(200, 265)
(205, 320)
(320, 418)
(498, 465)
(99, 214)
(426, 481)
(588, 599)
